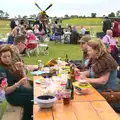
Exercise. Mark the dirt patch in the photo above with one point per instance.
(79, 27)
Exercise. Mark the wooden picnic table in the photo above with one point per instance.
(83, 107)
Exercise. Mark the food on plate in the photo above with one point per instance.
(78, 89)
(85, 91)
(83, 83)
(53, 70)
(81, 91)
(52, 62)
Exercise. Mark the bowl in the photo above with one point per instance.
(46, 101)
(47, 75)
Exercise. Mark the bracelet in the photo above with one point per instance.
(17, 86)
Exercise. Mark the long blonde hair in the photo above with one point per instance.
(99, 46)
(103, 62)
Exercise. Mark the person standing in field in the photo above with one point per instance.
(116, 32)
(106, 24)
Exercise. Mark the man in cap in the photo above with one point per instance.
(83, 45)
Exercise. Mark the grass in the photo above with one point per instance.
(4, 26)
(83, 21)
(97, 22)
(60, 50)
(55, 51)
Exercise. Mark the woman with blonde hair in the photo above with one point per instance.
(102, 73)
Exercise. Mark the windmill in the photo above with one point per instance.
(43, 12)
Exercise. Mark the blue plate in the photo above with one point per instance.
(37, 72)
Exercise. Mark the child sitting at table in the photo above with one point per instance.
(3, 85)
(3, 103)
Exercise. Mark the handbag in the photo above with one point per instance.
(111, 96)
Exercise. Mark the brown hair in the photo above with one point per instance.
(85, 39)
(18, 39)
(103, 62)
(6, 48)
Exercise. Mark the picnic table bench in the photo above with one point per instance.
(13, 113)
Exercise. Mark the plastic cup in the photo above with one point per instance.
(66, 96)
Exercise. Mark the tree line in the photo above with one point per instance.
(5, 15)
(93, 15)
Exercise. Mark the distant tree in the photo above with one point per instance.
(19, 16)
(74, 16)
(103, 16)
(24, 17)
(1, 13)
(118, 13)
(66, 16)
(93, 15)
(80, 16)
(84, 16)
(54, 17)
(30, 16)
(34, 16)
(6, 15)
(15, 17)
(112, 14)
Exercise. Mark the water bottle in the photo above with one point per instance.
(66, 58)
(40, 65)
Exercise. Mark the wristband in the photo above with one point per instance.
(17, 86)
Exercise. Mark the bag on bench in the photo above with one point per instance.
(113, 98)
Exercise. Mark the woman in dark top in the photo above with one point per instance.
(16, 93)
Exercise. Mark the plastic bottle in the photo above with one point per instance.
(40, 65)
(66, 58)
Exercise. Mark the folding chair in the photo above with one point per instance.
(100, 35)
(43, 47)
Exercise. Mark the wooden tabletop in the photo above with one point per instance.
(84, 107)
(93, 96)
(99, 110)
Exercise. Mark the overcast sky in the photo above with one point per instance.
(60, 7)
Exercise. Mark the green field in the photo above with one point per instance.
(60, 50)
(4, 27)
(83, 21)
(55, 51)
(91, 24)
